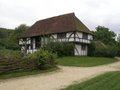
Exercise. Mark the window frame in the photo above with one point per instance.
(85, 36)
(61, 35)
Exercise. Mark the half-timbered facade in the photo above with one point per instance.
(63, 28)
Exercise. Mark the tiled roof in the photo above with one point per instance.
(57, 24)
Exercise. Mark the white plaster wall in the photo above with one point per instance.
(90, 37)
(31, 50)
(86, 41)
(29, 47)
(84, 52)
(22, 48)
(46, 39)
(42, 40)
(20, 41)
(28, 41)
(78, 34)
(34, 50)
(55, 36)
(79, 51)
(61, 40)
(69, 33)
(51, 37)
(34, 43)
(71, 37)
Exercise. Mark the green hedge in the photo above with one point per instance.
(102, 52)
(60, 48)
(106, 52)
(91, 49)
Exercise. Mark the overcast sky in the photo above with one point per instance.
(91, 12)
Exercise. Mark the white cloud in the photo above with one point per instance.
(91, 12)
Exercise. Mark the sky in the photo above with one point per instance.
(91, 12)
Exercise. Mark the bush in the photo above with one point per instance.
(91, 49)
(60, 48)
(11, 61)
(43, 58)
(98, 49)
(118, 51)
(106, 52)
(10, 54)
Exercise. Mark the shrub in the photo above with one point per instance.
(99, 49)
(60, 48)
(11, 61)
(44, 59)
(91, 49)
(118, 53)
(106, 52)
(10, 54)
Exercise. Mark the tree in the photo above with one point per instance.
(9, 38)
(118, 39)
(105, 35)
(21, 28)
(14, 37)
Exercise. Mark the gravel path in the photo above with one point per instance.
(56, 80)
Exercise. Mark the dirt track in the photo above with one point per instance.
(56, 80)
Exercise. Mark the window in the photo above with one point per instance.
(31, 46)
(83, 47)
(27, 46)
(85, 36)
(61, 35)
(24, 39)
(38, 42)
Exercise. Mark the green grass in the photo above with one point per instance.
(25, 73)
(108, 81)
(84, 61)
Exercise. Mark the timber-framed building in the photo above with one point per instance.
(63, 28)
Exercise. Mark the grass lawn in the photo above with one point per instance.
(84, 61)
(25, 73)
(108, 81)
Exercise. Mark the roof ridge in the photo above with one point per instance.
(72, 13)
